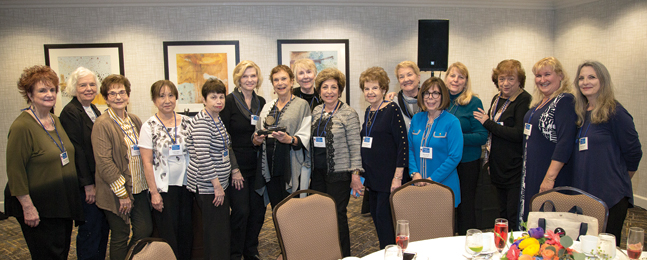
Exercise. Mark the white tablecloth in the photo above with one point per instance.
(454, 248)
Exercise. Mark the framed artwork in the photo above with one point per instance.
(189, 64)
(324, 53)
(102, 58)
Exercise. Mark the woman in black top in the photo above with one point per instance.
(240, 116)
(384, 150)
(505, 123)
(305, 72)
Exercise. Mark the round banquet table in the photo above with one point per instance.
(454, 248)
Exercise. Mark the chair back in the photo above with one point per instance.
(564, 198)
(307, 227)
(151, 248)
(429, 209)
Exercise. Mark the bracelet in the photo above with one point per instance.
(553, 180)
(396, 177)
(355, 172)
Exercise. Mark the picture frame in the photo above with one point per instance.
(325, 53)
(188, 64)
(102, 58)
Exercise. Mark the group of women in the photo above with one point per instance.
(241, 153)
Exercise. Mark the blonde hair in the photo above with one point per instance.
(556, 66)
(605, 104)
(407, 64)
(304, 64)
(240, 69)
(467, 94)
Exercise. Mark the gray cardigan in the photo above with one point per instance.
(343, 140)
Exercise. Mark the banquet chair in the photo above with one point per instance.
(429, 209)
(564, 198)
(307, 227)
(150, 248)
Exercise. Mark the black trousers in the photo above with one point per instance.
(617, 215)
(468, 174)
(508, 197)
(340, 191)
(247, 217)
(140, 220)
(92, 236)
(276, 190)
(174, 222)
(49, 240)
(381, 213)
(215, 223)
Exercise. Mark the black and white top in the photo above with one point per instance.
(168, 170)
(207, 141)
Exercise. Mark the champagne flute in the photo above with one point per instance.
(635, 240)
(402, 234)
(392, 252)
(474, 242)
(500, 233)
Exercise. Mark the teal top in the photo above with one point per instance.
(474, 134)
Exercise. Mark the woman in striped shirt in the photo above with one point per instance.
(210, 167)
(120, 184)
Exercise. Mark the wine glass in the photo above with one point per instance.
(635, 240)
(474, 242)
(402, 234)
(392, 252)
(500, 233)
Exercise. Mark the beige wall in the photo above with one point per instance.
(379, 36)
(612, 32)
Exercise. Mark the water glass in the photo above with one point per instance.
(474, 242)
(607, 245)
(392, 252)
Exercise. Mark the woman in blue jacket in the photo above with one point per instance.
(435, 138)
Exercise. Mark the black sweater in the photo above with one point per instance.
(506, 153)
(241, 130)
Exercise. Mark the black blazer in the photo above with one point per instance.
(78, 126)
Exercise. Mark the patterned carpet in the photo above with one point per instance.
(362, 234)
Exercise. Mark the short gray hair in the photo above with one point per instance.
(80, 72)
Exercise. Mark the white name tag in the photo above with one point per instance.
(225, 156)
(254, 119)
(134, 150)
(426, 152)
(584, 143)
(367, 142)
(64, 159)
(527, 129)
(175, 149)
(319, 141)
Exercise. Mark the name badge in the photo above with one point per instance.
(500, 123)
(134, 150)
(320, 142)
(584, 143)
(225, 156)
(254, 119)
(527, 129)
(175, 149)
(64, 159)
(367, 142)
(426, 152)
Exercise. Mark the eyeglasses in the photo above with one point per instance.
(114, 94)
(433, 95)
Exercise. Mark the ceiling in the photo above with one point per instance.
(513, 4)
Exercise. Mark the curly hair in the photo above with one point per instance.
(375, 74)
(33, 75)
(509, 67)
(80, 72)
(556, 66)
(107, 83)
(330, 73)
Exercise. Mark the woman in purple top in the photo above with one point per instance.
(607, 151)
(549, 132)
